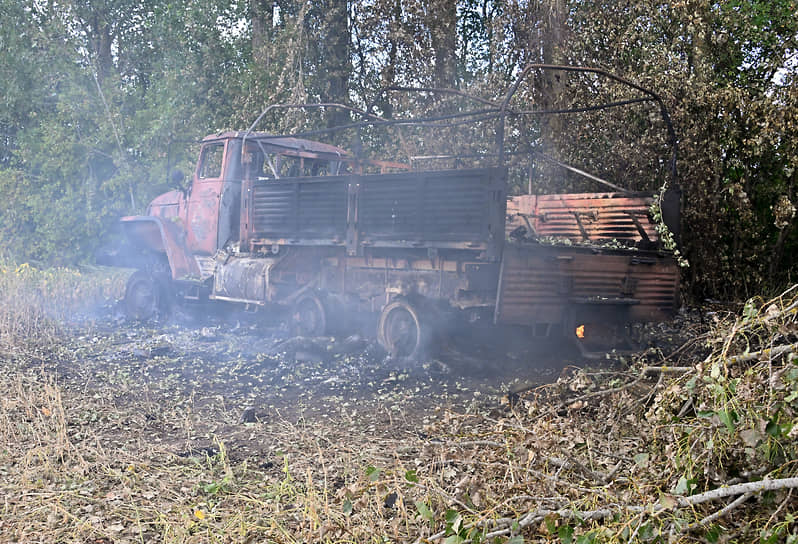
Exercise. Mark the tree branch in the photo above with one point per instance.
(534, 516)
(769, 352)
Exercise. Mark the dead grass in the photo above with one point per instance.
(33, 301)
(601, 456)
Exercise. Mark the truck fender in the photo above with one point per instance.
(165, 237)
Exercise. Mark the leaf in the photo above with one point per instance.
(773, 428)
(411, 476)
(476, 535)
(728, 418)
(713, 533)
(424, 510)
(683, 487)
(453, 539)
(551, 524)
(751, 437)
(453, 521)
(517, 539)
(566, 534)
(373, 473)
(347, 507)
(641, 460)
(667, 501)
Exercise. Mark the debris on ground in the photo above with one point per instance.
(238, 434)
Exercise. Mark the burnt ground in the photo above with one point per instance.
(119, 432)
(224, 371)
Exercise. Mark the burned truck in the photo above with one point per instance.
(279, 221)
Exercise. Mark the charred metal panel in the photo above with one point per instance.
(203, 216)
(206, 265)
(168, 205)
(586, 216)
(462, 209)
(464, 284)
(547, 284)
(299, 210)
(154, 234)
(457, 208)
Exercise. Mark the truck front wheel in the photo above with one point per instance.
(142, 296)
(401, 330)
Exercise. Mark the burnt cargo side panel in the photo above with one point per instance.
(586, 216)
(455, 209)
(550, 284)
(299, 209)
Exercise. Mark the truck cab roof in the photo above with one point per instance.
(285, 143)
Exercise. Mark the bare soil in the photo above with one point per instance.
(224, 366)
(228, 429)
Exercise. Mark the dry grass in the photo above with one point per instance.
(600, 456)
(33, 301)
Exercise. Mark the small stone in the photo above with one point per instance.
(248, 415)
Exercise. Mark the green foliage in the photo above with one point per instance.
(103, 99)
(743, 398)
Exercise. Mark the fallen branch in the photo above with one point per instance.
(587, 396)
(739, 489)
(769, 352)
(666, 369)
(722, 512)
(535, 516)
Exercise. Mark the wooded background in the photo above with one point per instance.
(103, 98)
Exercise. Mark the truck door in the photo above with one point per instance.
(203, 202)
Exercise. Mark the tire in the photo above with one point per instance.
(309, 316)
(143, 296)
(401, 330)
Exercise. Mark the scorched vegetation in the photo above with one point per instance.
(227, 431)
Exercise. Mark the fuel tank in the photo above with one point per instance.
(245, 280)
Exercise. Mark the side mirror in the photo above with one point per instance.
(176, 178)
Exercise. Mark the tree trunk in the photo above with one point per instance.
(388, 73)
(443, 34)
(261, 13)
(337, 63)
(101, 39)
(553, 14)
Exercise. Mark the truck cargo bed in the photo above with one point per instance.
(451, 209)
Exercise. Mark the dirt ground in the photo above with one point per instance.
(228, 429)
(237, 369)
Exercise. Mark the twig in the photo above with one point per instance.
(574, 464)
(780, 508)
(722, 512)
(587, 396)
(466, 443)
(666, 369)
(769, 352)
(746, 489)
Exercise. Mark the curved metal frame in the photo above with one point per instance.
(493, 110)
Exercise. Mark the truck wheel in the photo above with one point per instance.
(142, 296)
(401, 330)
(309, 316)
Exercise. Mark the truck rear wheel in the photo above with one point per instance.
(309, 316)
(142, 296)
(401, 330)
